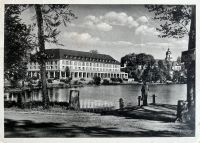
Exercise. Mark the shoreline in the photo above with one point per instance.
(50, 86)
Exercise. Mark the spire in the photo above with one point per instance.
(168, 55)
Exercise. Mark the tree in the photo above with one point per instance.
(132, 62)
(178, 21)
(129, 60)
(48, 19)
(17, 43)
(156, 75)
(52, 16)
(67, 71)
(94, 52)
(178, 60)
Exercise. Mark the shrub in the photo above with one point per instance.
(8, 104)
(97, 80)
(90, 82)
(62, 80)
(82, 79)
(76, 82)
(34, 78)
(49, 81)
(125, 79)
(120, 80)
(105, 82)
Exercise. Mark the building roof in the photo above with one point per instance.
(79, 55)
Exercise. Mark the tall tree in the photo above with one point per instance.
(51, 16)
(17, 42)
(178, 21)
(42, 62)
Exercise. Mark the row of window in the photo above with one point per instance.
(91, 68)
(78, 63)
(77, 68)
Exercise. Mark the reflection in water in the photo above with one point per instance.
(109, 95)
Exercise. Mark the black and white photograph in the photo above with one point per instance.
(99, 70)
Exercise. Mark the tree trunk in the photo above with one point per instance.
(191, 64)
(189, 59)
(42, 61)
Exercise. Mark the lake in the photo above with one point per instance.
(91, 96)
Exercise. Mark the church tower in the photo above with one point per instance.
(168, 55)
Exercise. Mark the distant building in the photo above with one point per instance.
(168, 56)
(81, 65)
(174, 65)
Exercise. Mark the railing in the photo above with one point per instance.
(98, 105)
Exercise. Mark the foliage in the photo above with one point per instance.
(97, 80)
(116, 80)
(67, 71)
(17, 43)
(156, 74)
(94, 52)
(49, 81)
(105, 82)
(147, 75)
(178, 60)
(132, 62)
(175, 19)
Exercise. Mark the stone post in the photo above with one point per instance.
(74, 102)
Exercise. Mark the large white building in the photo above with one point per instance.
(81, 65)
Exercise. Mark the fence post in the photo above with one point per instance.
(139, 99)
(154, 99)
(74, 102)
(121, 104)
(19, 99)
(181, 109)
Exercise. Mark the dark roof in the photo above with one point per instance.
(79, 55)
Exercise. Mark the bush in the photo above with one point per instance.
(120, 80)
(82, 79)
(76, 82)
(62, 80)
(68, 80)
(105, 82)
(124, 79)
(97, 80)
(90, 82)
(34, 78)
(49, 81)
(9, 104)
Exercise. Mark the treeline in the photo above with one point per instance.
(143, 67)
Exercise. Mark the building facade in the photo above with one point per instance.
(77, 64)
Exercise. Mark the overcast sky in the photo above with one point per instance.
(115, 30)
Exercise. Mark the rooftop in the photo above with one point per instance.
(79, 55)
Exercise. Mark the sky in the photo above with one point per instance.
(115, 30)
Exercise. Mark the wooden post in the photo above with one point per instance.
(139, 99)
(154, 99)
(145, 103)
(181, 109)
(74, 102)
(19, 99)
(121, 104)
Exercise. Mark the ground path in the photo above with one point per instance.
(147, 121)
